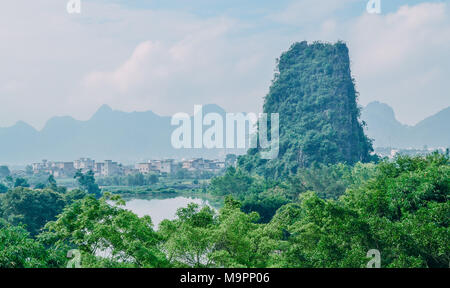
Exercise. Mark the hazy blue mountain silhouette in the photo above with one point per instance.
(387, 131)
(135, 136)
(108, 134)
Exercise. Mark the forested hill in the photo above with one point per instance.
(315, 96)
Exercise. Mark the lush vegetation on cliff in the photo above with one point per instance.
(314, 94)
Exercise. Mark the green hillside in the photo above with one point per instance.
(314, 93)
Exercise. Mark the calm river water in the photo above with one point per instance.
(163, 208)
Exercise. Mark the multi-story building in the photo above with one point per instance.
(66, 166)
(203, 164)
(216, 165)
(98, 168)
(159, 166)
(84, 164)
(39, 167)
(193, 164)
(57, 169)
(129, 170)
(168, 166)
(110, 168)
(144, 168)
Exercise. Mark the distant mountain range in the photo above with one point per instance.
(109, 134)
(135, 136)
(383, 127)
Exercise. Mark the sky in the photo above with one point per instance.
(168, 55)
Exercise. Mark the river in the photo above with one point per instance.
(164, 208)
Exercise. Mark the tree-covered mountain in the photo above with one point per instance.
(314, 94)
(387, 131)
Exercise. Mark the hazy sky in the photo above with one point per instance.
(166, 55)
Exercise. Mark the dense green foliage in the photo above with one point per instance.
(265, 196)
(95, 226)
(21, 182)
(87, 183)
(330, 181)
(408, 209)
(137, 179)
(314, 94)
(33, 208)
(3, 188)
(19, 250)
(257, 194)
(399, 207)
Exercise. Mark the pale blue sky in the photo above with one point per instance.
(167, 55)
(245, 8)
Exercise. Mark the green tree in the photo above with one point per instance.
(95, 226)
(152, 179)
(323, 234)
(32, 208)
(18, 250)
(3, 188)
(39, 186)
(9, 181)
(239, 241)
(21, 182)
(234, 182)
(52, 184)
(87, 183)
(51, 180)
(74, 195)
(188, 240)
(407, 207)
(4, 172)
(265, 204)
(330, 181)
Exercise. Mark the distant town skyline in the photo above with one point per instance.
(107, 168)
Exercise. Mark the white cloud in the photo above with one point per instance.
(402, 59)
(130, 59)
(129, 73)
(390, 41)
(167, 61)
(203, 66)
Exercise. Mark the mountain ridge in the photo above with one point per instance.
(387, 131)
(108, 134)
(22, 143)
